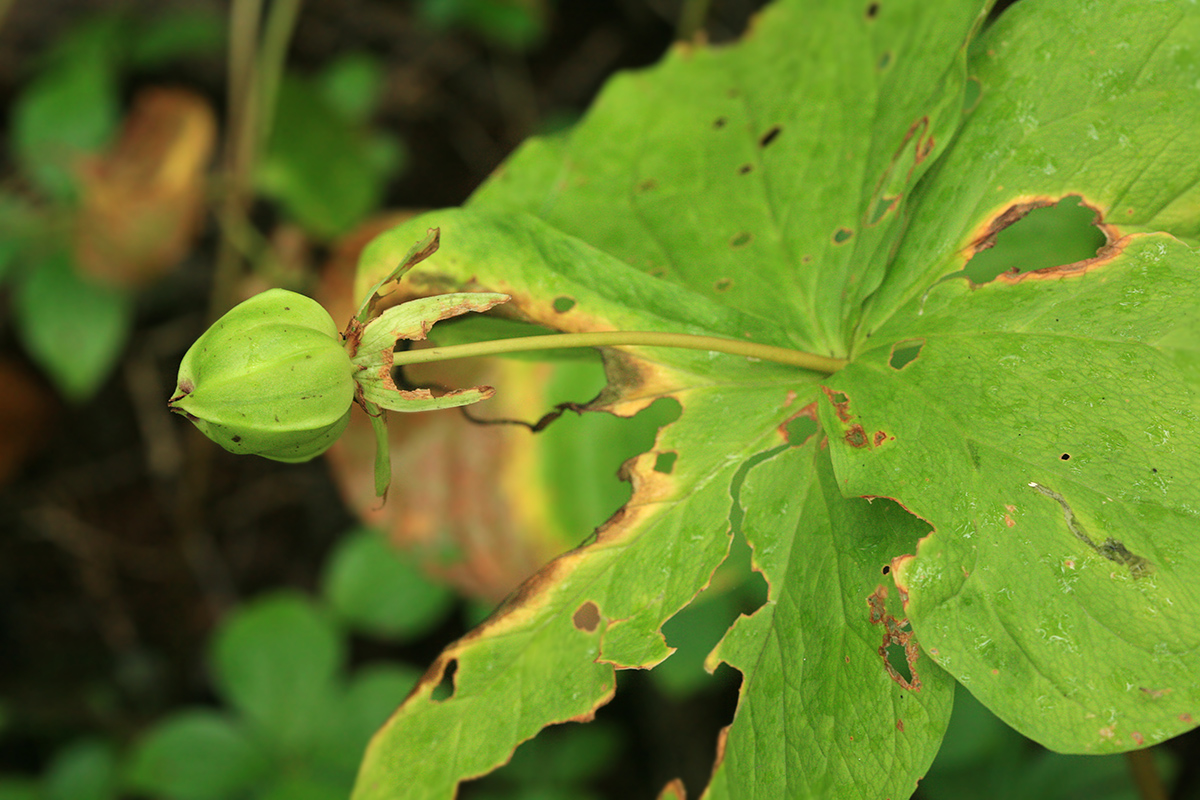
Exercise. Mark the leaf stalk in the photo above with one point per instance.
(562, 341)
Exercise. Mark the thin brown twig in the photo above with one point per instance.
(1145, 775)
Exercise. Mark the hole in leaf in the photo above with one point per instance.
(561, 761)
(770, 136)
(904, 353)
(800, 429)
(564, 304)
(587, 617)
(741, 239)
(842, 235)
(723, 285)
(736, 512)
(897, 656)
(872, 10)
(1065, 456)
(445, 689)
(735, 589)
(887, 568)
(1045, 237)
(665, 462)
(588, 450)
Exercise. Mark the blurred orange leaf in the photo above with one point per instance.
(142, 201)
(450, 501)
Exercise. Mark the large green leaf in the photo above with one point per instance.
(1015, 456)
(1060, 582)
(736, 172)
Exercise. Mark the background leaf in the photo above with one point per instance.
(73, 327)
(196, 755)
(67, 110)
(326, 169)
(1073, 630)
(86, 770)
(275, 662)
(375, 589)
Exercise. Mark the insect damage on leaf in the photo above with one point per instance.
(840, 402)
(1112, 549)
(440, 676)
(895, 636)
(1039, 236)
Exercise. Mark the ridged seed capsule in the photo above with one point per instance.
(270, 378)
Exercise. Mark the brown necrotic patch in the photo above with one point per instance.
(587, 617)
(442, 671)
(840, 402)
(745, 169)
(856, 436)
(898, 650)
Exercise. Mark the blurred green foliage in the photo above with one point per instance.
(984, 759)
(324, 162)
(295, 719)
(516, 24)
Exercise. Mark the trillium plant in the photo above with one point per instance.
(273, 378)
(945, 480)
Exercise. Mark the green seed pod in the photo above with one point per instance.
(271, 378)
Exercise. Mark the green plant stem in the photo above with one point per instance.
(691, 20)
(560, 341)
(256, 62)
(242, 91)
(277, 36)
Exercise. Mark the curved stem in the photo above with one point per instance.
(560, 341)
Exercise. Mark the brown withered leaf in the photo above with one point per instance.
(142, 202)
